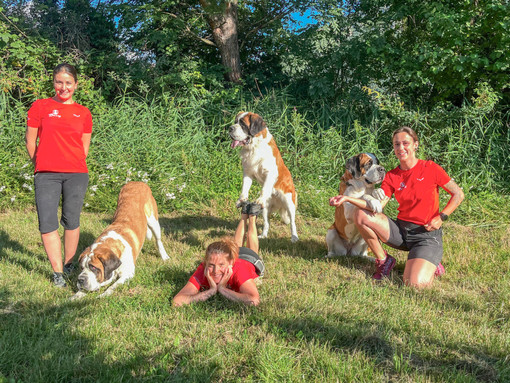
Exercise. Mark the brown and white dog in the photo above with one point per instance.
(262, 162)
(362, 173)
(113, 255)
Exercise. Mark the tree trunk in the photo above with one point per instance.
(222, 18)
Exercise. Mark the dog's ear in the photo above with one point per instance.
(353, 166)
(257, 124)
(110, 263)
(83, 253)
(374, 158)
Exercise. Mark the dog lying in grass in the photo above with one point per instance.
(113, 254)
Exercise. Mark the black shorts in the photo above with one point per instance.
(48, 189)
(417, 240)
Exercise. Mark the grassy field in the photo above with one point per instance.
(319, 320)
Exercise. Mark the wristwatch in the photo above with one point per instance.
(443, 216)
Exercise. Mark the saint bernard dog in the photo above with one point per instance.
(262, 162)
(361, 175)
(113, 255)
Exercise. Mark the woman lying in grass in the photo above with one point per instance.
(224, 271)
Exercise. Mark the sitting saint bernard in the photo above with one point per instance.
(113, 254)
(361, 174)
(262, 162)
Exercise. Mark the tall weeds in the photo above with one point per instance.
(179, 145)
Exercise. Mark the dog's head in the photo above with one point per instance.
(98, 264)
(364, 167)
(247, 126)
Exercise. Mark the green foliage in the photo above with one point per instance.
(426, 52)
(179, 145)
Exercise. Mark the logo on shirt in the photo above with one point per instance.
(402, 186)
(76, 115)
(420, 179)
(54, 113)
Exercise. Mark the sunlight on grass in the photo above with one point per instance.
(319, 320)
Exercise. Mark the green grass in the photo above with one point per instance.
(319, 320)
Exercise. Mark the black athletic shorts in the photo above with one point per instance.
(417, 240)
(48, 189)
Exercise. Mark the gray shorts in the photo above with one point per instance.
(417, 240)
(48, 189)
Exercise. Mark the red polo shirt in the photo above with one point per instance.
(416, 190)
(60, 130)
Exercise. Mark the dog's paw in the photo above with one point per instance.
(294, 238)
(79, 295)
(375, 205)
(240, 201)
(379, 194)
(261, 201)
(107, 293)
(263, 235)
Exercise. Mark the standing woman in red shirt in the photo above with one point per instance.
(417, 229)
(57, 140)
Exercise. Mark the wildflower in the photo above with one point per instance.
(24, 166)
(27, 186)
(170, 196)
(86, 204)
(171, 179)
(93, 188)
(11, 165)
(128, 179)
(109, 166)
(2, 188)
(181, 187)
(13, 198)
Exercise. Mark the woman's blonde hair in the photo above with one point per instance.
(226, 246)
(408, 130)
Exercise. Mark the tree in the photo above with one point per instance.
(222, 18)
(426, 52)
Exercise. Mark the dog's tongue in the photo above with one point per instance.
(235, 143)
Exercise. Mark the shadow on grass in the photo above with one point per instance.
(29, 260)
(184, 226)
(59, 343)
(368, 337)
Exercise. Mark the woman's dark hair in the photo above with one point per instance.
(226, 246)
(408, 130)
(66, 68)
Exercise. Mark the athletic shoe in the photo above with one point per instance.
(439, 270)
(254, 209)
(245, 206)
(383, 268)
(58, 280)
(68, 268)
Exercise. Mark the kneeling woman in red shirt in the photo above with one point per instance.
(223, 270)
(417, 229)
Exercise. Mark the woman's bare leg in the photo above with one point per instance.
(252, 239)
(241, 230)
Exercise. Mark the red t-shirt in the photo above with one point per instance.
(416, 190)
(60, 130)
(241, 272)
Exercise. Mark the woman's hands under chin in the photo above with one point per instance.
(224, 280)
(212, 284)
